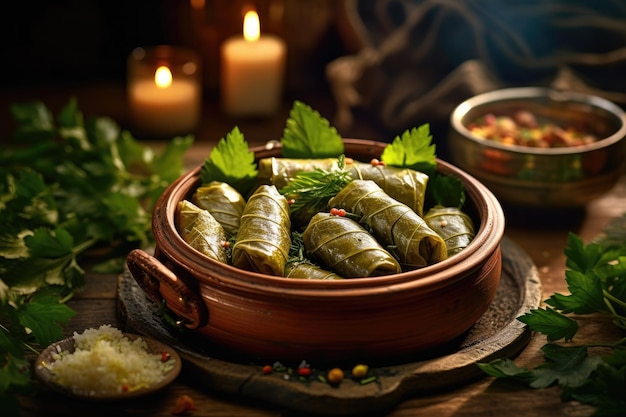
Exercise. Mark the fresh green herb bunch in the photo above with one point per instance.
(596, 279)
(66, 187)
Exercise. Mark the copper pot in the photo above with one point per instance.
(275, 318)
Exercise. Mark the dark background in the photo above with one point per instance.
(74, 41)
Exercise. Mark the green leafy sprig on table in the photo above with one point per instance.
(68, 188)
(596, 279)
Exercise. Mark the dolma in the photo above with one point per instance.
(279, 171)
(406, 185)
(306, 270)
(342, 245)
(201, 231)
(223, 202)
(394, 224)
(453, 225)
(263, 240)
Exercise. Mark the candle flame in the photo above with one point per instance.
(163, 77)
(251, 26)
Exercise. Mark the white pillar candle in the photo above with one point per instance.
(252, 71)
(164, 92)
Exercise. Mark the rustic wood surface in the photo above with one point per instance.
(541, 235)
(496, 335)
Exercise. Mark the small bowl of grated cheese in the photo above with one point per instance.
(107, 364)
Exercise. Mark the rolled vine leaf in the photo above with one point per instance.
(201, 231)
(342, 245)
(453, 225)
(263, 241)
(280, 171)
(223, 202)
(403, 184)
(307, 270)
(394, 224)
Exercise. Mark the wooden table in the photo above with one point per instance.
(96, 305)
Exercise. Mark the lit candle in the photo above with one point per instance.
(164, 91)
(252, 71)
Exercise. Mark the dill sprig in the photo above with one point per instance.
(315, 188)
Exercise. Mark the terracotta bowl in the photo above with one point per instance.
(545, 178)
(275, 318)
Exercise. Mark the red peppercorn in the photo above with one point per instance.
(334, 211)
(165, 356)
(341, 213)
(291, 201)
(374, 162)
(226, 244)
(304, 371)
(268, 369)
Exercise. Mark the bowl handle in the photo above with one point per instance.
(160, 283)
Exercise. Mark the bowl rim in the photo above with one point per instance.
(154, 346)
(552, 94)
(441, 274)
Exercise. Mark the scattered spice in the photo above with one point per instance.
(335, 376)
(184, 405)
(360, 370)
(368, 380)
(338, 212)
(304, 371)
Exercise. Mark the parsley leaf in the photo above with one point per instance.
(66, 185)
(232, 162)
(569, 366)
(551, 323)
(596, 279)
(413, 149)
(309, 135)
(43, 315)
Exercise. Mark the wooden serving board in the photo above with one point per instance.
(496, 335)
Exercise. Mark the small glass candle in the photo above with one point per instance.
(164, 91)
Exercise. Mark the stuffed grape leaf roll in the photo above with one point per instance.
(342, 245)
(403, 184)
(223, 202)
(394, 224)
(263, 240)
(307, 270)
(201, 231)
(279, 171)
(453, 225)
